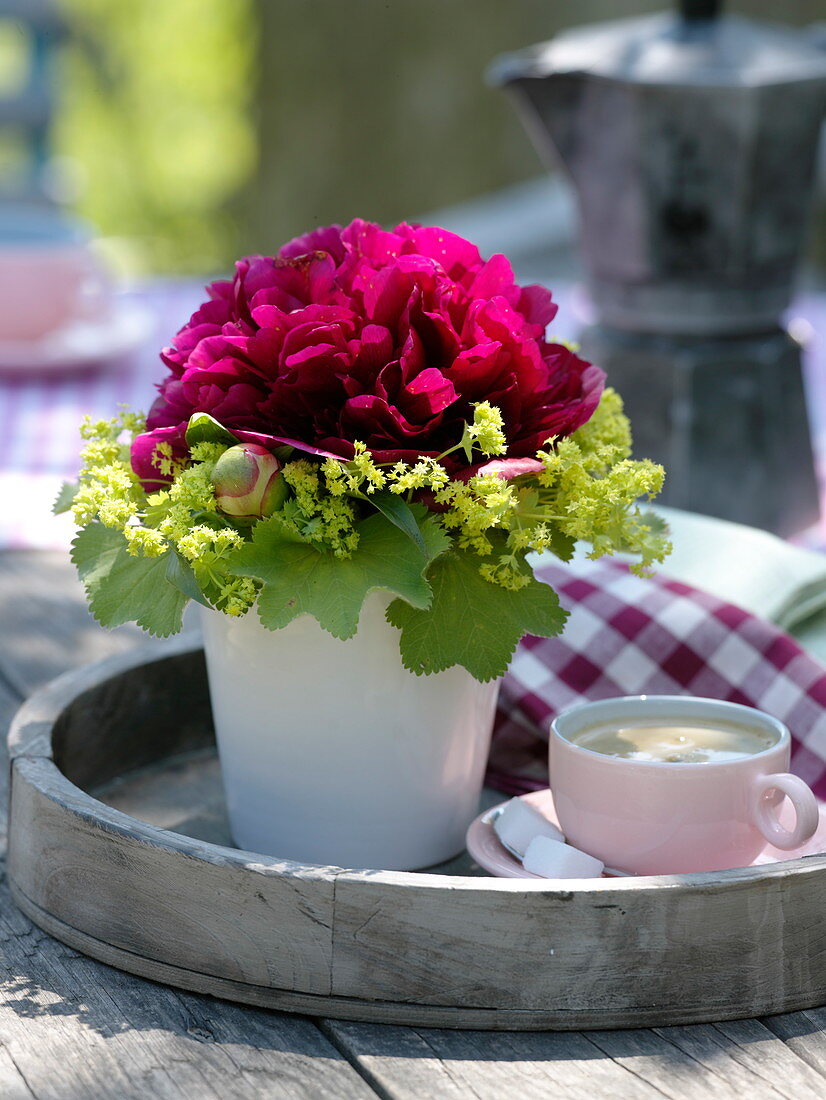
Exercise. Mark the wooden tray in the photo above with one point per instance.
(119, 847)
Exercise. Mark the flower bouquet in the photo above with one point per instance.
(357, 445)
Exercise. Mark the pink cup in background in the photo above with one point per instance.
(46, 285)
(655, 817)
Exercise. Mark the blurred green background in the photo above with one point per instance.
(191, 131)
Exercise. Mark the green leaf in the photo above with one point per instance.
(656, 523)
(123, 588)
(400, 514)
(299, 578)
(472, 622)
(562, 545)
(203, 428)
(66, 497)
(179, 573)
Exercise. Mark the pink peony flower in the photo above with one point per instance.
(387, 337)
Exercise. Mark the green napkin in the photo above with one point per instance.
(759, 571)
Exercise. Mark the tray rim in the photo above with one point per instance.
(396, 1013)
(29, 739)
(326, 940)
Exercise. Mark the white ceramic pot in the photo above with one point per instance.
(332, 752)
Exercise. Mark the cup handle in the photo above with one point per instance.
(805, 808)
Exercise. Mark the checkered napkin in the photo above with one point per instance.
(633, 636)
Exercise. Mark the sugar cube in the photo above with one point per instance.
(551, 859)
(519, 823)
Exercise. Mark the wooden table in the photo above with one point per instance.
(72, 1029)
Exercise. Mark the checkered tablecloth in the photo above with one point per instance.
(632, 636)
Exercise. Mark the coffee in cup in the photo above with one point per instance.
(675, 744)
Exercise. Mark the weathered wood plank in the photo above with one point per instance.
(570, 952)
(404, 1064)
(754, 1046)
(805, 1034)
(721, 1062)
(124, 723)
(13, 1085)
(74, 1028)
(705, 1061)
(191, 904)
(47, 627)
(9, 702)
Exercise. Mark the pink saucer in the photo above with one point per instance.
(486, 849)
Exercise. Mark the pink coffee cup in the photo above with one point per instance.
(652, 817)
(47, 285)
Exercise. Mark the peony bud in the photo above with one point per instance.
(248, 481)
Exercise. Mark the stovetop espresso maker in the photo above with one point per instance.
(690, 139)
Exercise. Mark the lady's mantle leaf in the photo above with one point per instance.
(123, 588)
(66, 497)
(203, 428)
(298, 578)
(400, 514)
(179, 573)
(472, 622)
